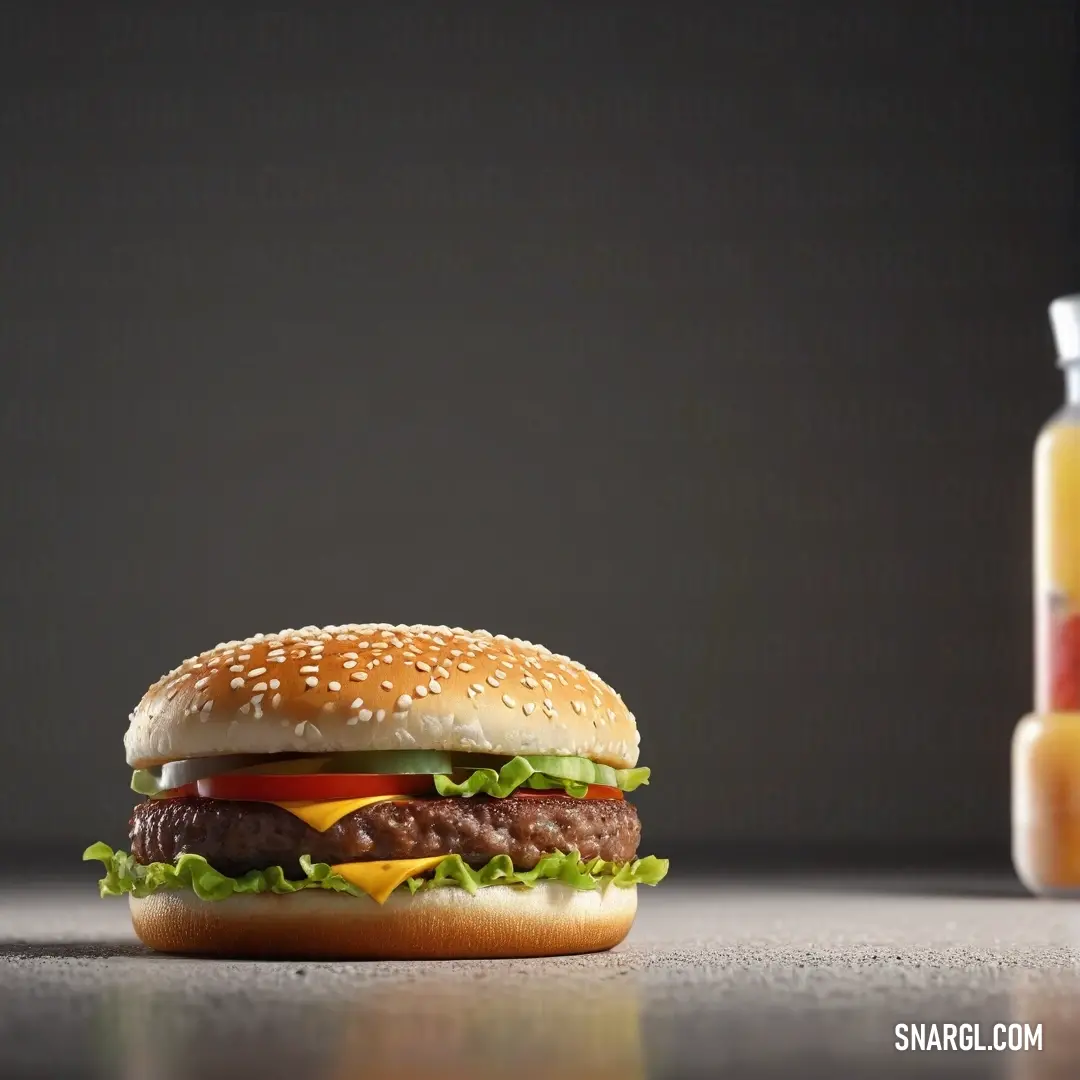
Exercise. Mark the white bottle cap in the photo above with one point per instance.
(1065, 320)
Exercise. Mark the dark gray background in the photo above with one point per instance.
(706, 344)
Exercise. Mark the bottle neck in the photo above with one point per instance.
(1072, 383)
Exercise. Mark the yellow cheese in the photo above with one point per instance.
(324, 815)
(380, 879)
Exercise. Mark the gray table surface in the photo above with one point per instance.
(766, 979)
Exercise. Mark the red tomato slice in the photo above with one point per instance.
(318, 787)
(596, 791)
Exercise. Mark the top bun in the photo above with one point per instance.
(380, 687)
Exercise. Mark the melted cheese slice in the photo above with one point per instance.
(380, 879)
(325, 815)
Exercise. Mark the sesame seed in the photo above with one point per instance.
(421, 666)
(442, 672)
(309, 669)
(243, 656)
(579, 706)
(275, 700)
(500, 674)
(357, 703)
(276, 659)
(275, 683)
(528, 707)
(350, 655)
(402, 703)
(259, 687)
(246, 707)
(256, 671)
(435, 686)
(387, 658)
(358, 676)
(471, 692)
(547, 703)
(508, 701)
(530, 682)
(596, 700)
(299, 729)
(334, 686)
(207, 706)
(349, 664)
(371, 663)
(548, 686)
(507, 664)
(386, 684)
(611, 714)
(237, 667)
(311, 681)
(256, 699)
(236, 683)
(200, 683)
(455, 652)
(421, 690)
(380, 715)
(463, 666)
(492, 681)
(476, 688)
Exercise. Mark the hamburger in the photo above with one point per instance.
(380, 791)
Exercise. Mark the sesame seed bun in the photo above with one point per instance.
(380, 687)
(501, 921)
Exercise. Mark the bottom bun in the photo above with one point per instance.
(550, 919)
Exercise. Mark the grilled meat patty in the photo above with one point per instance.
(235, 837)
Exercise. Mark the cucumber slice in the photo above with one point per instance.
(176, 774)
(400, 762)
(403, 762)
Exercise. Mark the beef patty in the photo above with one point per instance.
(235, 837)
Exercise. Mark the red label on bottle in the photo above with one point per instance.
(1064, 659)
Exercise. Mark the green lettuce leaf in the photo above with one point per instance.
(572, 774)
(568, 868)
(124, 875)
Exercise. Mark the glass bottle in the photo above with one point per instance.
(1046, 744)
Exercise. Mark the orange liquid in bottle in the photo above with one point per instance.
(1046, 745)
